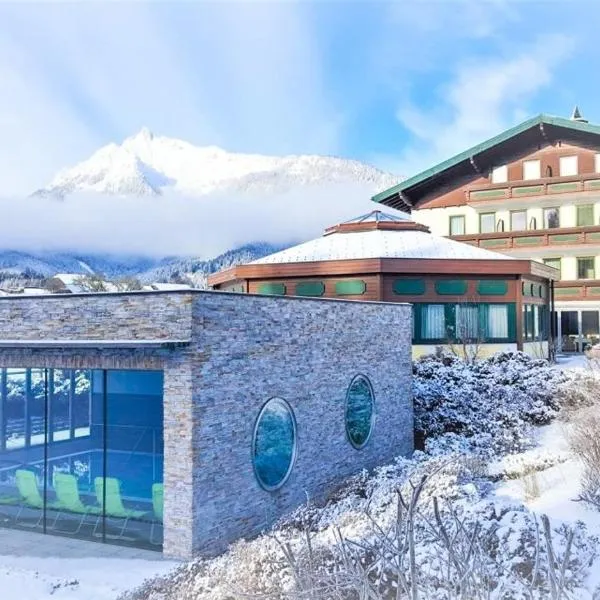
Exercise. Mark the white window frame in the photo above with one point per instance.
(571, 160)
(532, 169)
(520, 212)
(597, 163)
(464, 224)
(500, 174)
(545, 216)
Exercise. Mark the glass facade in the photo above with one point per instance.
(81, 453)
(535, 323)
(466, 322)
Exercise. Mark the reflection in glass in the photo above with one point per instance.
(81, 453)
(359, 411)
(274, 443)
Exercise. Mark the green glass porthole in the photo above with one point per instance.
(273, 289)
(350, 287)
(409, 287)
(310, 288)
(451, 287)
(492, 288)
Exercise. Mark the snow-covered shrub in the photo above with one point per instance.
(489, 404)
(416, 525)
(515, 466)
(584, 439)
(581, 389)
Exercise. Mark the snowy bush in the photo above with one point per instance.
(515, 466)
(415, 528)
(427, 527)
(584, 439)
(489, 404)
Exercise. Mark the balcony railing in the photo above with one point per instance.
(531, 238)
(579, 289)
(588, 182)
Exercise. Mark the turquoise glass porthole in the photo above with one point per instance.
(360, 411)
(274, 444)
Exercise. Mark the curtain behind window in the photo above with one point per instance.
(433, 322)
(497, 321)
(467, 322)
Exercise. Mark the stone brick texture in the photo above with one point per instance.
(241, 351)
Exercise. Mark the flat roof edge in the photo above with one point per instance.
(116, 344)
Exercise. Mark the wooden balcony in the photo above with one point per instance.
(548, 186)
(534, 238)
(579, 289)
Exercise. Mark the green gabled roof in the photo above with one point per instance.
(561, 122)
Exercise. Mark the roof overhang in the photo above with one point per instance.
(374, 266)
(478, 160)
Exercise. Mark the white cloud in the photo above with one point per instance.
(483, 98)
(174, 224)
(77, 75)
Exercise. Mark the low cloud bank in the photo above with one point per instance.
(174, 224)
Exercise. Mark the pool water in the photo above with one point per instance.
(136, 471)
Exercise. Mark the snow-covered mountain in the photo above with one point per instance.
(148, 164)
(18, 268)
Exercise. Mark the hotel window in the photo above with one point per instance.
(500, 174)
(555, 263)
(467, 322)
(457, 225)
(585, 215)
(433, 322)
(585, 268)
(497, 321)
(551, 218)
(487, 222)
(518, 220)
(568, 165)
(532, 169)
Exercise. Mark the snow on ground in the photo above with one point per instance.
(553, 491)
(52, 568)
(32, 578)
(572, 361)
(35, 567)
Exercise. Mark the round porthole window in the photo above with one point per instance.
(274, 444)
(360, 410)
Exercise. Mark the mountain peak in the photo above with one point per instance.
(143, 134)
(145, 164)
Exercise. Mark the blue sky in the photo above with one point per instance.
(401, 85)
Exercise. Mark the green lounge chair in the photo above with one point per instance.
(69, 501)
(30, 495)
(113, 503)
(157, 506)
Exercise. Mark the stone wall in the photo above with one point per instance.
(242, 351)
(253, 348)
(136, 316)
